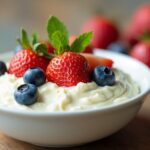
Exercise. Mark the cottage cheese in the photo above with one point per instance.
(83, 96)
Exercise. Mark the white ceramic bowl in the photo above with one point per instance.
(67, 129)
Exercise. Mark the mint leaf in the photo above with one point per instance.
(25, 39)
(55, 25)
(41, 49)
(82, 42)
(59, 42)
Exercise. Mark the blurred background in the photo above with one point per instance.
(33, 14)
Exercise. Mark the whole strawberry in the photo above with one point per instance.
(141, 51)
(24, 60)
(68, 69)
(29, 57)
(105, 31)
(139, 24)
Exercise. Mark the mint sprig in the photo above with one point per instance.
(60, 42)
(58, 34)
(81, 42)
(59, 38)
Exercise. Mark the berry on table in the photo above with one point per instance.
(141, 51)
(35, 76)
(103, 76)
(26, 94)
(3, 68)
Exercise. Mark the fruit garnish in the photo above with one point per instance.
(25, 60)
(59, 37)
(68, 68)
(33, 54)
(3, 68)
(95, 61)
(103, 76)
(26, 94)
(141, 51)
(35, 76)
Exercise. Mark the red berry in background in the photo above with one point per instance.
(141, 51)
(24, 60)
(68, 69)
(140, 23)
(105, 32)
(88, 49)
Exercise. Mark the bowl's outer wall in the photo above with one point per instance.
(66, 130)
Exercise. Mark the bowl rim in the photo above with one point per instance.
(116, 106)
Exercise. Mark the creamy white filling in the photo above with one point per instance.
(80, 97)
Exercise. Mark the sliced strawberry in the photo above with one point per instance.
(97, 61)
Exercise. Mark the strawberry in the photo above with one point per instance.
(95, 61)
(29, 57)
(140, 23)
(68, 69)
(141, 51)
(24, 60)
(88, 49)
(105, 32)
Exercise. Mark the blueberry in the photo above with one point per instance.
(118, 47)
(103, 76)
(26, 94)
(3, 68)
(34, 76)
(18, 48)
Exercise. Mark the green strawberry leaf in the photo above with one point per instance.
(24, 41)
(59, 42)
(56, 29)
(41, 49)
(145, 36)
(34, 38)
(82, 42)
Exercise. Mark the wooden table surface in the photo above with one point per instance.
(135, 136)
